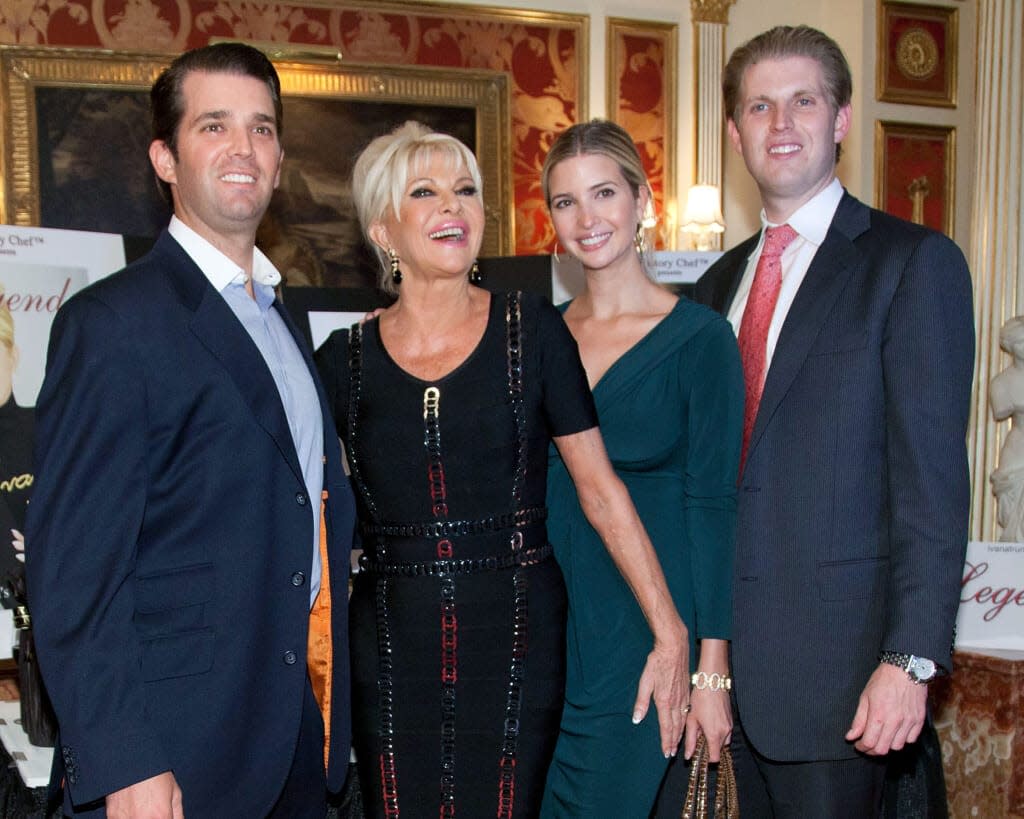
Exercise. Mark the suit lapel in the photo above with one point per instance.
(830, 270)
(728, 283)
(220, 331)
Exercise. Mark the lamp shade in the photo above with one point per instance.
(703, 212)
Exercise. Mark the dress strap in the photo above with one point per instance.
(355, 389)
(385, 679)
(517, 663)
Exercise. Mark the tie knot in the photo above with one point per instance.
(777, 239)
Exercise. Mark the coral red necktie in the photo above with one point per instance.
(757, 317)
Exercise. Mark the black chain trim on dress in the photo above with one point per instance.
(440, 568)
(454, 528)
(449, 619)
(514, 343)
(385, 669)
(517, 665)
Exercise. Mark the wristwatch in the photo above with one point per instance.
(920, 669)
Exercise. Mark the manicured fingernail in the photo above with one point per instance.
(636, 717)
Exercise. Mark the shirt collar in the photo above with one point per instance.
(217, 267)
(814, 217)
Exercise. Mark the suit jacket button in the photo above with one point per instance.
(298, 579)
(300, 498)
(289, 658)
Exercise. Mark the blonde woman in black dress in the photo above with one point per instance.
(446, 403)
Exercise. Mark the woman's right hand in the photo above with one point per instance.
(666, 680)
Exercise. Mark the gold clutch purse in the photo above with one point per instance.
(726, 803)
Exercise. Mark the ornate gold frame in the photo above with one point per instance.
(303, 74)
(945, 16)
(668, 35)
(883, 163)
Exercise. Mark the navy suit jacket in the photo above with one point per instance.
(852, 509)
(171, 541)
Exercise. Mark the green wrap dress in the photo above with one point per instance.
(671, 413)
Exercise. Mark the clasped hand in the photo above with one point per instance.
(890, 712)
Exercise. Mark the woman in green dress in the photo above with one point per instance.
(667, 381)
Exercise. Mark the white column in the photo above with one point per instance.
(710, 17)
(997, 239)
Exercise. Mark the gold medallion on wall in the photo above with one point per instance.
(917, 54)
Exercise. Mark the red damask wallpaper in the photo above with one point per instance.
(543, 53)
(641, 98)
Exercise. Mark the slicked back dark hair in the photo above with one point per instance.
(167, 102)
(789, 41)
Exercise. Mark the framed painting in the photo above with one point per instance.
(915, 172)
(641, 90)
(917, 54)
(76, 135)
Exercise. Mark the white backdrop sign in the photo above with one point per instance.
(992, 597)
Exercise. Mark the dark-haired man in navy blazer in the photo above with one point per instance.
(189, 485)
(857, 337)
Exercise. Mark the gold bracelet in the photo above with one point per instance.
(712, 682)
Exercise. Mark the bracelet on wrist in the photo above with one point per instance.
(701, 680)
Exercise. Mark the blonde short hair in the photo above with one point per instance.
(6, 323)
(383, 170)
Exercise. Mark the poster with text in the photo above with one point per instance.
(40, 269)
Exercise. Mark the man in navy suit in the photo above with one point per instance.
(857, 337)
(189, 489)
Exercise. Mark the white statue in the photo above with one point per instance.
(1006, 394)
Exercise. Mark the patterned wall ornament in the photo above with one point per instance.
(261, 22)
(710, 11)
(26, 22)
(142, 23)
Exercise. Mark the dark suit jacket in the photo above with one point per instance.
(171, 541)
(853, 505)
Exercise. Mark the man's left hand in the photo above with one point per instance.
(890, 712)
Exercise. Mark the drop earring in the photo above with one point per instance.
(474, 273)
(396, 274)
(638, 240)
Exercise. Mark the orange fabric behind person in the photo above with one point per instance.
(319, 657)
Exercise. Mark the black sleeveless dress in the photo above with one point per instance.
(458, 613)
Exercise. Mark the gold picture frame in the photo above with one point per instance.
(915, 172)
(917, 54)
(86, 101)
(641, 97)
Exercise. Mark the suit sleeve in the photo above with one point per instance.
(87, 510)
(928, 360)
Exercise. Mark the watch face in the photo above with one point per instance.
(921, 669)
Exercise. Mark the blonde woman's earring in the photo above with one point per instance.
(474, 273)
(396, 274)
